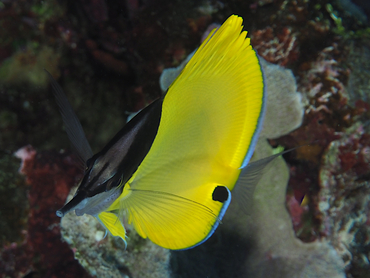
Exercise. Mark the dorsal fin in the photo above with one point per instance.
(71, 122)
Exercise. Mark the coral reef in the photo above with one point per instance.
(13, 200)
(344, 198)
(106, 256)
(275, 48)
(41, 252)
(287, 104)
(336, 111)
(27, 67)
(358, 85)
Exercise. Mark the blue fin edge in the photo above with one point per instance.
(214, 227)
(253, 143)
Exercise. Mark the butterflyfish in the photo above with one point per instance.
(171, 169)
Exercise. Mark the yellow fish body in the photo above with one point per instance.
(204, 137)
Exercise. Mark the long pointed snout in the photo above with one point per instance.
(72, 204)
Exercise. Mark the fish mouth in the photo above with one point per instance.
(72, 204)
(82, 203)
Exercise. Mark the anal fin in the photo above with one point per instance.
(112, 223)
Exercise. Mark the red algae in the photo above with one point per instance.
(278, 48)
(296, 212)
(49, 176)
(343, 201)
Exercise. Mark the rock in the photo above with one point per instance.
(106, 256)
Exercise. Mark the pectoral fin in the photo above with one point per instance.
(248, 180)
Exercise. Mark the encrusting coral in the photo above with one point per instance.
(344, 198)
(106, 256)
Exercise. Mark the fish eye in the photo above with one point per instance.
(114, 184)
(118, 182)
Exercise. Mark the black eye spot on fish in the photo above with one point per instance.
(220, 194)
